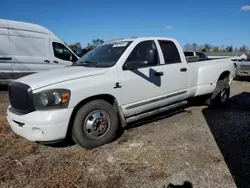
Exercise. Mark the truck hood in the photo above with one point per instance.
(54, 76)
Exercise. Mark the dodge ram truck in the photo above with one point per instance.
(116, 83)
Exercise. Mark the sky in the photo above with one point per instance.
(217, 22)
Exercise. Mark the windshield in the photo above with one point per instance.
(104, 55)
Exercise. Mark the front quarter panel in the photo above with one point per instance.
(86, 87)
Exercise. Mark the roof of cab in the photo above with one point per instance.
(141, 38)
(12, 24)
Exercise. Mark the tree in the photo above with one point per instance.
(76, 46)
(244, 48)
(216, 49)
(229, 48)
(207, 47)
(222, 48)
(97, 42)
(187, 47)
(191, 47)
(194, 47)
(200, 48)
(89, 46)
(203, 50)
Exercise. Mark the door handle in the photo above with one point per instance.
(55, 61)
(5, 58)
(46, 61)
(183, 69)
(158, 73)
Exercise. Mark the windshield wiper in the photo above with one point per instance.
(82, 63)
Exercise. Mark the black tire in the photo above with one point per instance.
(237, 78)
(221, 94)
(80, 131)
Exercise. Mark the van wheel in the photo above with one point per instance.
(220, 95)
(96, 124)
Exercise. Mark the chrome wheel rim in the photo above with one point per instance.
(224, 96)
(97, 124)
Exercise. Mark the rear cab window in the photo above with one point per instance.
(170, 52)
(189, 54)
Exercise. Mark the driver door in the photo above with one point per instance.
(142, 87)
(61, 55)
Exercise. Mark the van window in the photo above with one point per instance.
(27, 46)
(61, 52)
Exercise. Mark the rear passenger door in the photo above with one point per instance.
(61, 55)
(176, 78)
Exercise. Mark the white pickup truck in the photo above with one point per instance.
(115, 83)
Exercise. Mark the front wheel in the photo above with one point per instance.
(96, 124)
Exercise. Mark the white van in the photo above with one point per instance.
(27, 48)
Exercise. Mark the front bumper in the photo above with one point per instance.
(41, 126)
(242, 72)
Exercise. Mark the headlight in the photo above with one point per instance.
(52, 99)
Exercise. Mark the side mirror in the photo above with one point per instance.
(130, 65)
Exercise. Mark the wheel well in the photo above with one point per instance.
(109, 98)
(224, 75)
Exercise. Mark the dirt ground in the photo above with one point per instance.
(208, 148)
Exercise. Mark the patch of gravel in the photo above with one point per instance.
(4, 102)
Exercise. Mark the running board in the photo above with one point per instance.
(154, 112)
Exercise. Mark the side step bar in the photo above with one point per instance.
(156, 111)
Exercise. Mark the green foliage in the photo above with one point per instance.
(229, 48)
(208, 47)
(244, 48)
(191, 47)
(211, 48)
(216, 49)
(97, 42)
(76, 46)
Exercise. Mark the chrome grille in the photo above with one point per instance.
(244, 66)
(21, 99)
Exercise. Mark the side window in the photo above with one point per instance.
(170, 52)
(141, 52)
(201, 55)
(61, 52)
(189, 54)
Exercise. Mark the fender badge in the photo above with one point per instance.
(117, 85)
